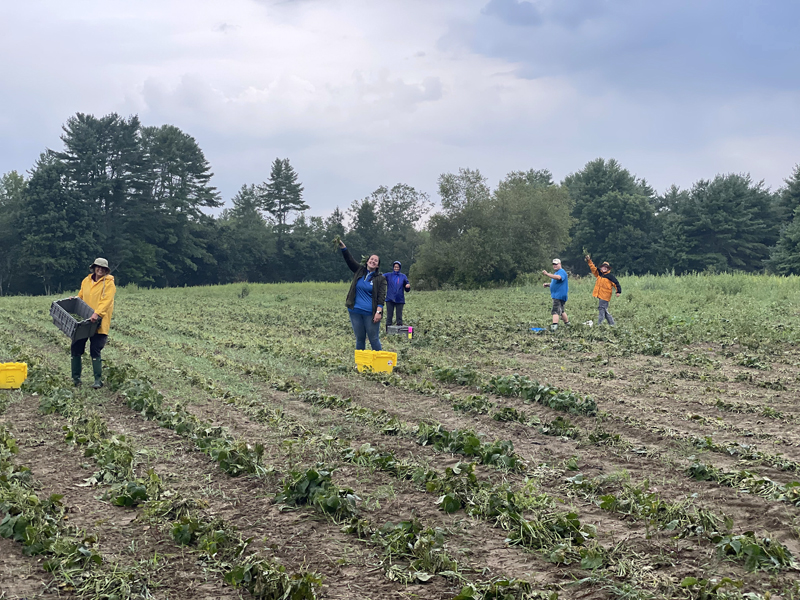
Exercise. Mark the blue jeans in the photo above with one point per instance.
(363, 327)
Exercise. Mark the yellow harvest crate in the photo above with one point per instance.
(12, 375)
(376, 360)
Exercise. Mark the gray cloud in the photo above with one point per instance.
(359, 95)
(513, 12)
(716, 45)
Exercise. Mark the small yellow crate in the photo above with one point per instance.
(12, 375)
(376, 360)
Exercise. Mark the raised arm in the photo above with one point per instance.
(348, 258)
(592, 268)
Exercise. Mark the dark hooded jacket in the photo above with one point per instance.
(359, 270)
(396, 285)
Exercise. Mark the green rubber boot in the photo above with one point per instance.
(76, 370)
(97, 368)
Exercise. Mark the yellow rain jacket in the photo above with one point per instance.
(605, 284)
(100, 296)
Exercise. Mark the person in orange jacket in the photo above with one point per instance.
(97, 290)
(603, 288)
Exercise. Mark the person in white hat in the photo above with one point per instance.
(97, 290)
(559, 288)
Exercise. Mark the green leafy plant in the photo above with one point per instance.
(532, 391)
(315, 487)
(466, 375)
(763, 553)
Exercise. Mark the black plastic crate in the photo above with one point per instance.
(62, 311)
(403, 330)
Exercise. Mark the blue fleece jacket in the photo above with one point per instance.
(396, 287)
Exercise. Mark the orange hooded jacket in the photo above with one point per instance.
(605, 284)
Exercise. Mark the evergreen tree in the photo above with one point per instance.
(12, 190)
(724, 224)
(614, 217)
(103, 166)
(787, 200)
(60, 237)
(282, 194)
(175, 187)
(785, 257)
(307, 249)
(331, 263)
(247, 244)
(366, 234)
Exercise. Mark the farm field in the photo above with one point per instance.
(236, 453)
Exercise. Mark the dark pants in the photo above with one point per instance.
(390, 308)
(96, 343)
(363, 327)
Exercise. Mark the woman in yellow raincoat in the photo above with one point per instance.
(97, 290)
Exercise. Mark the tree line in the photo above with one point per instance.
(141, 196)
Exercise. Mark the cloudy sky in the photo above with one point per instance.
(363, 93)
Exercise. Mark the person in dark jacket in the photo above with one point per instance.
(397, 285)
(365, 299)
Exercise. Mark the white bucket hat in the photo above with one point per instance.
(100, 262)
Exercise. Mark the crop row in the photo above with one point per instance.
(747, 481)
(446, 494)
(315, 488)
(114, 457)
(451, 501)
(685, 520)
(514, 385)
(39, 525)
(141, 397)
(459, 488)
(557, 534)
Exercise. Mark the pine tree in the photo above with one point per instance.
(785, 256)
(175, 187)
(103, 164)
(727, 223)
(282, 194)
(60, 237)
(614, 217)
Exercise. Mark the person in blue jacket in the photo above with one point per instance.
(558, 292)
(397, 285)
(365, 299)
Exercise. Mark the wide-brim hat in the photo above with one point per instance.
(99, 262)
